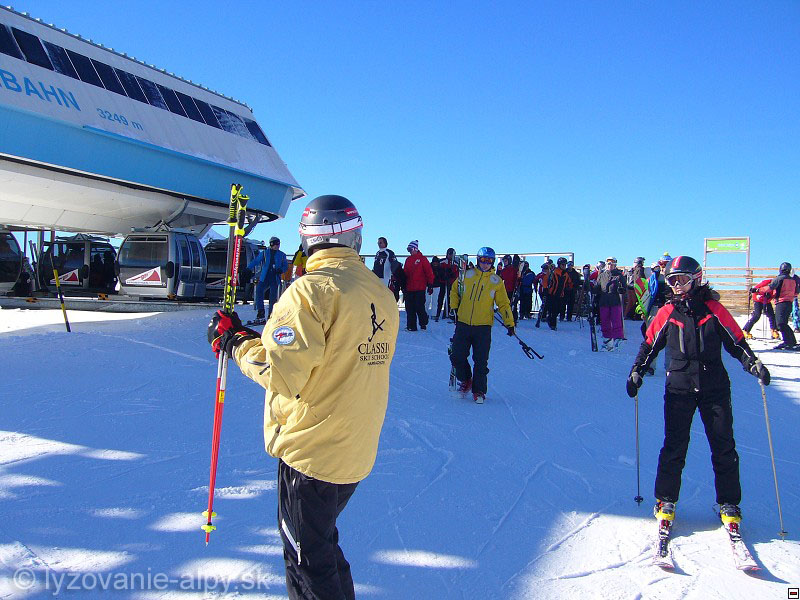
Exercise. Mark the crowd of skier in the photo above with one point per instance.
(325, 434)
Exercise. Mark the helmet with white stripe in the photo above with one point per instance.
(330, 221)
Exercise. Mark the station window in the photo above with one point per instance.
(32, 48)
(150, 90)
(7, 44)
(61, 62)
(172, 100)
(107, 76)
(84, 68)
(255, 130)
(208, 114)
(131, 86)
(189, 107)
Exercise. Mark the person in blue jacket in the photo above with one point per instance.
(272, 263)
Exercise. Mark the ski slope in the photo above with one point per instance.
(104, 452)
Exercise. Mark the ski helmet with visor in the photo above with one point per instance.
(329, 221)
(683, 273)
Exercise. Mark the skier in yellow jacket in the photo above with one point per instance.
(483, 289)
(324, 361)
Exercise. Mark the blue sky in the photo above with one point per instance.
(623, 128)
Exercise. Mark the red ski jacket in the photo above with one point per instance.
(419, 274)
(763, 294)
(449, 272)
(510, 276)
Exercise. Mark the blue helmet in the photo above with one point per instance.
(486, 252)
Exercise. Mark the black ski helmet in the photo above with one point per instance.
(685, 265)
(785, 268)
(330, 220)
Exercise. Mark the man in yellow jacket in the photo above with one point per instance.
(324, 361)
(483, 289)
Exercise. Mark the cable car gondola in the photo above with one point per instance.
(162, 264)
(85, 263)
(10, 261)
(217, 255)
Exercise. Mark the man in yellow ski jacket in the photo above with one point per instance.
(324, 360)
(482, 290)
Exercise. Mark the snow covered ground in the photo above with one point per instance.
(104, 450)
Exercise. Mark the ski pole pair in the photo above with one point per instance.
(529, 352)
(236, 218)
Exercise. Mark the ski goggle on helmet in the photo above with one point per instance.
(683, 272)
(330, 220)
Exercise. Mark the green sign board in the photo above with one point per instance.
(727, 245)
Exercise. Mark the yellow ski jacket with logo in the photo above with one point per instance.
(324, 360)
(482, 290)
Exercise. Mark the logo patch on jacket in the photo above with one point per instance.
(283, 336)
(494, 278)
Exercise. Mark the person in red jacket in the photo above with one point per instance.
(761, 304)
(419, 277)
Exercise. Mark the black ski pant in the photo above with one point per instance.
(717, 416)
(525, 303)
(782, 312)
(758, 309)
(569, 300)
(556, 307)
(442, 301)
(307, 510)
(479, 337)
(415, 308)
(543, 308)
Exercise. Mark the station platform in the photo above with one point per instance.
(114, 303)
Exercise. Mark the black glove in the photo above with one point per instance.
(510, 331)
(633, 384)
(430, 290)
(753, 290)
(757, 369)
(225, 332)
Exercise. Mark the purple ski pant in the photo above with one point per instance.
(611, 321)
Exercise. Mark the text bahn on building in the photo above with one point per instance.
(93, 140)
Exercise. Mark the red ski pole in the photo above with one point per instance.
(236, 221)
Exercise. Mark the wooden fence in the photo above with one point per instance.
(734, 283)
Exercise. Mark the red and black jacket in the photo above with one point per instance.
(695, 330)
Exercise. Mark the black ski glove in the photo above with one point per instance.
(756, 368)
(510, 331)
(225, 332)
(633, 384)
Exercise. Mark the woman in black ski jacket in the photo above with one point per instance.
(695, 327)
